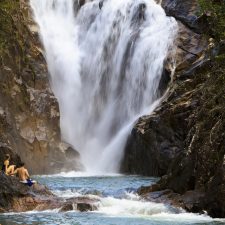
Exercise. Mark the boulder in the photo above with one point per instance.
(84, 207)
(18, 197)
(67, 207)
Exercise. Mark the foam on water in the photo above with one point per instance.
(112, 209)
(126, 207)
(185, 217)
(83, 174)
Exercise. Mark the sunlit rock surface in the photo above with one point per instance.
(29, 111)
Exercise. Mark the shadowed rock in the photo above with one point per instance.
(84, 207)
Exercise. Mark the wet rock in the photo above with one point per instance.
(100, 4)
(18, 197)
(190, 48)
(67, 207)
(214, 200)
(81, 2)
(164, 81)
(184, 11)
(153, 144)
(148, 189)
(84, 207)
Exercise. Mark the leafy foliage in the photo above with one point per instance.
(215, 11)
(7, 29)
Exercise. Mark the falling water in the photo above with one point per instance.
(105, 61)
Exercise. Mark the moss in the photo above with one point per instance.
(215, 17)
(8, 8)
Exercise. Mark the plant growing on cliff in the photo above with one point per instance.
(215, 12)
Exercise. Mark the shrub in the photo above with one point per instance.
(215, 11)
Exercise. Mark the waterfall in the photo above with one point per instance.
(105, 61)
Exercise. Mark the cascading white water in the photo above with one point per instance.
(105, 62)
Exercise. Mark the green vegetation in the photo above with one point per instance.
(215, 11)
(7, 29)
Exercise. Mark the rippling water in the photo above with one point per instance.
(119, 205)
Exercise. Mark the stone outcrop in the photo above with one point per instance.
(184, 11)
(29, 113)
(18, 197)
(157, 139)
(183, 140)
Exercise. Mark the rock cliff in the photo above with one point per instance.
(183, 140)
(29, 114)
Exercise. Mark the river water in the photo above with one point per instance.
(119, 205)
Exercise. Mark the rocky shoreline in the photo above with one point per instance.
(17, 197)
(183, 140)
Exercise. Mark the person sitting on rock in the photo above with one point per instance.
(23, 175)
(10, 170)
(6, 164)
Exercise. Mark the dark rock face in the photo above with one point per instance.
(67, 207)
(152, 146)
(190, 123)
(183, 140)
(215, 200)
(29, 114)
(185, 11)
(157, 140)
(84, 207)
